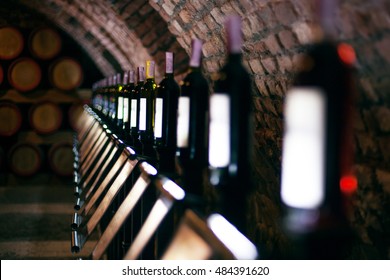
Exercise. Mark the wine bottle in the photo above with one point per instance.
(192, 123)
(96, 95)
(99, 89)
(167, 96)
(106, 100)
(146, 110)
(119, 103)
(317, 147)
(134, 106)
(230, 130)
(111, 98)
(128, 82)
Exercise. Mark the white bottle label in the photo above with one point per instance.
(183, 122)
(142, 114)
(219, 131)
(302, 182)
(126, 110)
(133, 117)
(120, 107)
(158, 120)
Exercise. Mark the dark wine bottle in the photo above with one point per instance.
(106, 98)
(317, 148)
(146, 110)
(95, 92)
(119, 103)
(128, 87)
(96, 95)
(134, 106)
(192, 124)
(112, 99)
(126, 98)
(165, 124)
(99, 90)
(230, 130)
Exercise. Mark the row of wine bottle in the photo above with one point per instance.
(213, 131)
(186, 124)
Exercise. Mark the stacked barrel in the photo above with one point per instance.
(38, 102)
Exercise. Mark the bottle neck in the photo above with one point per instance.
(141, 75)
(125, 79)
(150, 80)
(196, 54)
(149, 70)
(131, 77)
(234, 57)
(234, 35)
(324, 11)
(168, 63)
(168, 75)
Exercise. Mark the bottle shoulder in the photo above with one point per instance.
(148, 89)
(168, 86)
(129, 87)
(322, 66)
(232, 69)
(194, 79)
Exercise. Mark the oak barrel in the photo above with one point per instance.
(45, 43)
(24, 74)
(10, 118)
(11, 42)
(45, 117)
(66, 74)
(25, 159)
(74, 116)
(61, 158)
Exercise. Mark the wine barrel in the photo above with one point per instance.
(10, 118)
(45, 43)
(25, 159)
(11, 42)
(61, 158)
(66, 74)
(45, 117)
(24, 74)
(74, 116)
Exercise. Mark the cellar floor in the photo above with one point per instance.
(35, 221)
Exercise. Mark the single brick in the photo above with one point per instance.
(168, 7)
(255, 66)
(304, 32)
(287, 39)
(218, 16)
(185, 16)
(269, 65)
(285, 63)
(284, 12)
(175, 28)
(272, 44)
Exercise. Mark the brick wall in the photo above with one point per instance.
(124, 33)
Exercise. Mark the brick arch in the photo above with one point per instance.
(116, 36)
